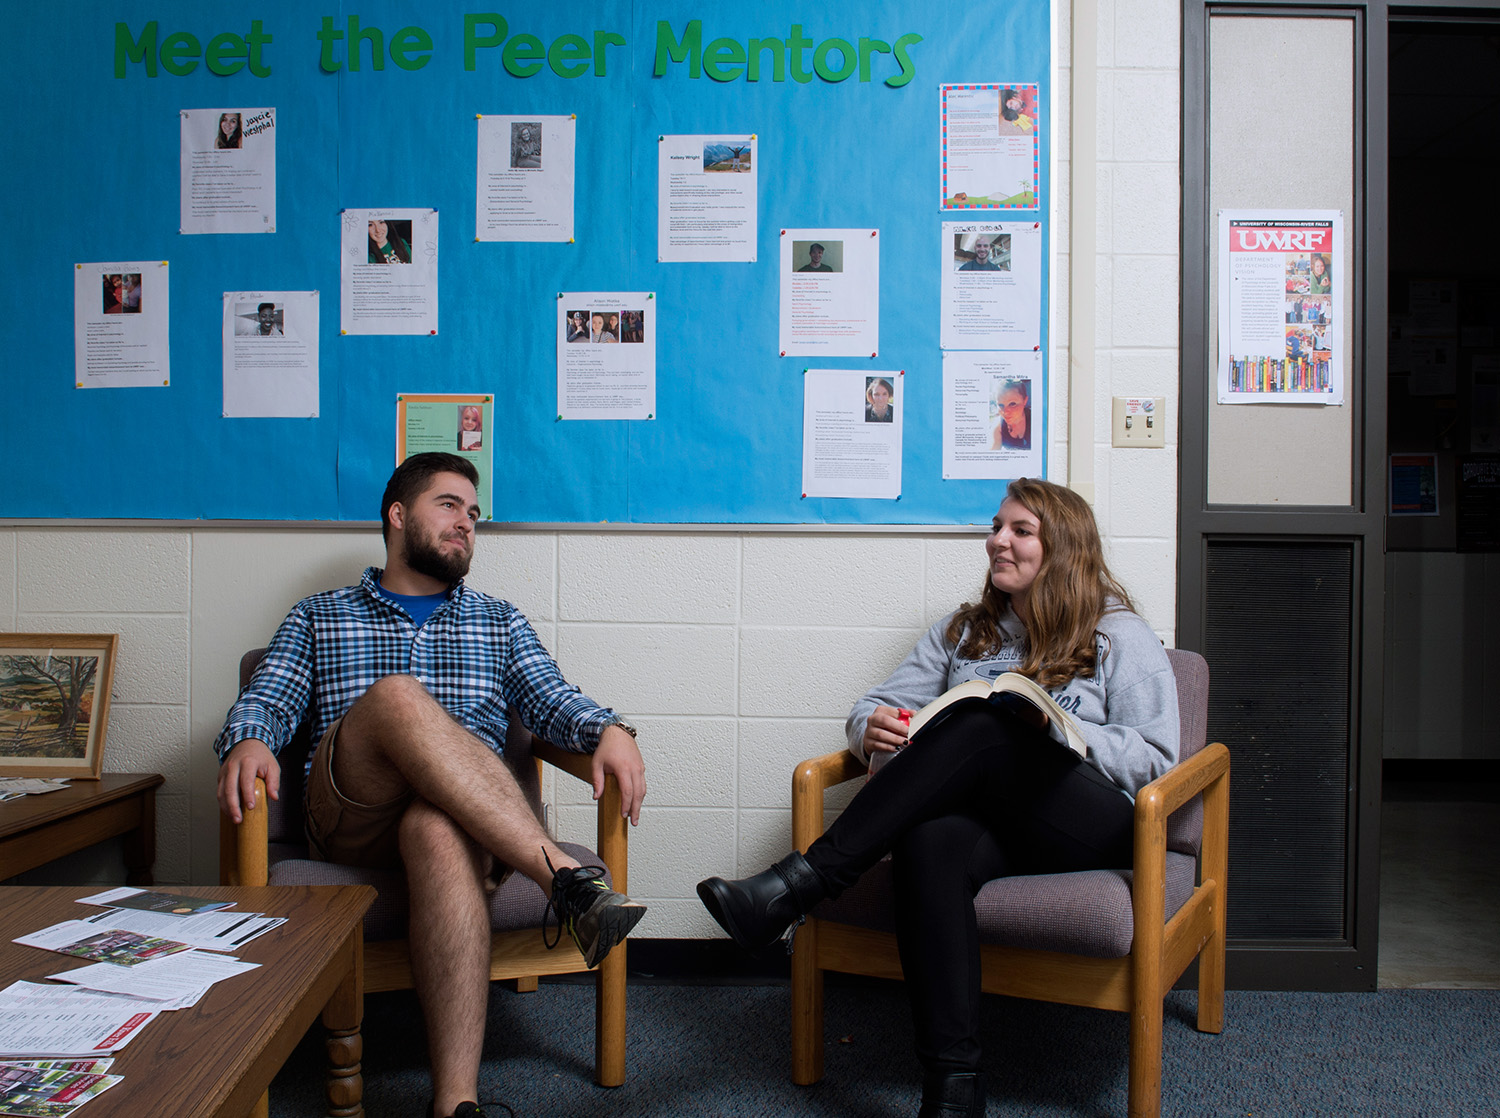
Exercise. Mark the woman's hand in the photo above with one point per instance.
(885, 732)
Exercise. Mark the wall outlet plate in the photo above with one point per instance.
(1140, 421)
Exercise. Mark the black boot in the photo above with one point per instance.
(952, 1094)
(757, 911)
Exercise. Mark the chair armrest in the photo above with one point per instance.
(1205, 773)
(613, 831)
(811, 779)
(244, 847)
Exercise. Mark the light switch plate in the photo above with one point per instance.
(1140, 421)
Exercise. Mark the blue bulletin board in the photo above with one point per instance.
(93, 142)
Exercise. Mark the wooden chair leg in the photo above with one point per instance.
(1211, 977)
(262, 1107)
(609, 1023)
(1145, 1054)
(526, 984)
(807, 1008)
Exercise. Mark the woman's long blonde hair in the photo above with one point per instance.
(1072, 592)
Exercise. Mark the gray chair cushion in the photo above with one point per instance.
(1085, 913)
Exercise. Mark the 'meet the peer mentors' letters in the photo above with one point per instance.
(1025, 696)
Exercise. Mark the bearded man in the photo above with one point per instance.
(407, 681)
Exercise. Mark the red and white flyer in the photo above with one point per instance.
(1283, 299)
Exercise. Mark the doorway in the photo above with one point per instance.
(1440, 820)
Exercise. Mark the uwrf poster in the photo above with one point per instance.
(1281, 294)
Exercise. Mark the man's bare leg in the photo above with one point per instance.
(450, 947)
(397, 738)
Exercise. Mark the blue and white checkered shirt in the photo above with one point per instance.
(477, 655)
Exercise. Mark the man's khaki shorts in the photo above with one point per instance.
(343, 831)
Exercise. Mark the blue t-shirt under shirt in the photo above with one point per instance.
(419, 606)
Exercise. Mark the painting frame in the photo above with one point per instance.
(80, 669)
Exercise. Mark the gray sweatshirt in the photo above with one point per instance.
(1127, 710)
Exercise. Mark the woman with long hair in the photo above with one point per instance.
(229, 134)
(989, 791)
(386, 245)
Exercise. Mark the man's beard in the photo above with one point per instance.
(424, 555)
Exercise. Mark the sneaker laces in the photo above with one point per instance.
(581, 883)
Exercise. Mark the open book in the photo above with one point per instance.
(1022, 695)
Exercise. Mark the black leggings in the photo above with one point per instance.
(984, 796)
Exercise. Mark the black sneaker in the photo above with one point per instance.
(590, 911)
(470, 1110)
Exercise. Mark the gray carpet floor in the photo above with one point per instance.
(723, 1050)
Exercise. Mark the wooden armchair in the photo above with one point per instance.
(1111, 939)
(269, 848)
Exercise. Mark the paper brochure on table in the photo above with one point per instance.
(992, 415)
(706, 190)
(1281, 294)
(228, 171)
(49, 1092)
(606, 355)
(525, 178)
(851, 433)
(105, 943)
(225, 930)
(991, 285)
(270, 343)
(990, 146)
(177, 981)
(830, 293)
(149, 900)
(388, 274)
(121, 325)
(27, 1031)
(456, 423)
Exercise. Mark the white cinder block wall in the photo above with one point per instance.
(737, 652)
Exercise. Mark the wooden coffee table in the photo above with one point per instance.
(36, 829)
(219, 1057)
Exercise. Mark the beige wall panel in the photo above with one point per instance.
(1281, 136)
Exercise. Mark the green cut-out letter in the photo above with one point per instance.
(868, 47)
(523, 56)
(604, 39)
(406, 42)
(724, 60)
(689, 49)
(372, 35)
(328, 35)
(778, 59)
(226, 54)
(256, 40)
(796, 43)
(473, 40)
(908, 71)
(179, 53)
(129, 49)
(569, 56)
(846, 54)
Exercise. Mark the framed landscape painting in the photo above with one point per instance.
(54, 702)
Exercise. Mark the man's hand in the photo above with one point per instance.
(249, 759)
(886, 730)
(619, 756)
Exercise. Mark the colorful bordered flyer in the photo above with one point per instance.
(991, 146)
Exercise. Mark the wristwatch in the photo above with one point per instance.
(620, 722)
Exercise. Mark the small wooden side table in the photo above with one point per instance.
(36, 829)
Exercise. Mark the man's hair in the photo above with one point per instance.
(820, 248)
(411, 479)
